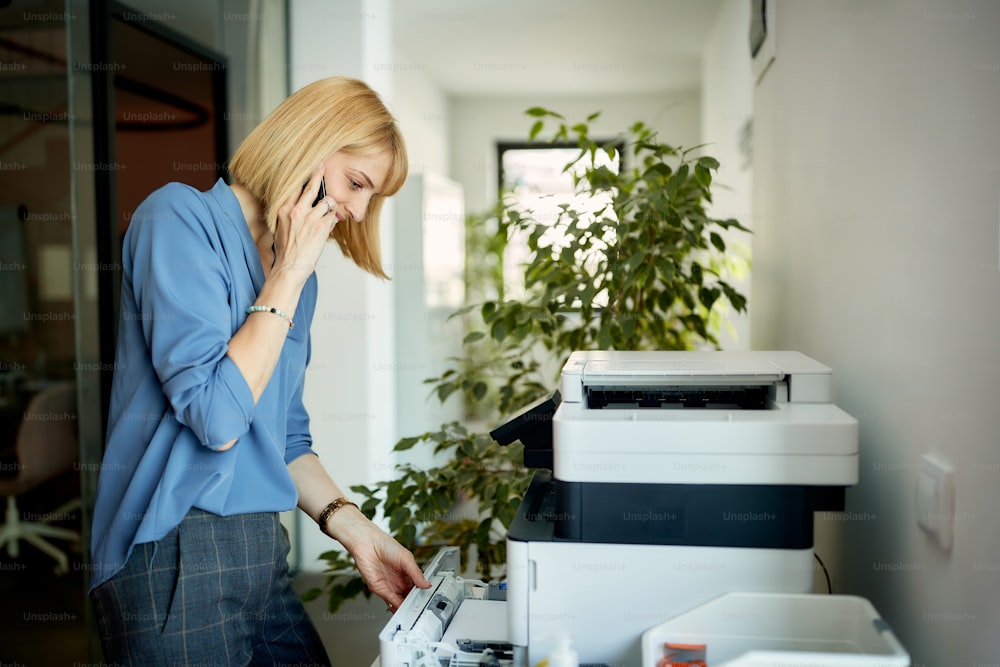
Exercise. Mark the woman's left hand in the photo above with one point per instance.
(387, 567)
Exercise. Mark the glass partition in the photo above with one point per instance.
(41, 571)
(99, 105)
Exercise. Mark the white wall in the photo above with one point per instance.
(422, 111)
(429, 281)
(477, 123)
(350, 386)
(430, 242)
(357, 378)
(875, 197)
(726, 117)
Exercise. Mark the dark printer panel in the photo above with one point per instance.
(533, 427)
(718, 398)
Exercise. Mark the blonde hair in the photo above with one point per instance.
(338, 114)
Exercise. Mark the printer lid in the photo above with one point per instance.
(638, 369)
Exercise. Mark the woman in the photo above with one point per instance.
(208, 438)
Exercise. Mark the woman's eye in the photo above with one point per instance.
(355, 185)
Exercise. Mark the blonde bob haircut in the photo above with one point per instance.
(338, 114)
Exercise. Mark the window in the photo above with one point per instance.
(535, 177)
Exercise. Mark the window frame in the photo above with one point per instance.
(504, 146)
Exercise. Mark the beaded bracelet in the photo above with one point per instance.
(270, 309)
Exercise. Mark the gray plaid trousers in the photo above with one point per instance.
(214, 591)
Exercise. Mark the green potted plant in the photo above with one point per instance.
(644, 271)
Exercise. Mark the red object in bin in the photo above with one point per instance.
(683, 655)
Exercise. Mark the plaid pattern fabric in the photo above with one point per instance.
(214, 591)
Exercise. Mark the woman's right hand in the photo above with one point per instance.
(302, 230)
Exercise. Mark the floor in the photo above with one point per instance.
(42, 614)
(351, 634)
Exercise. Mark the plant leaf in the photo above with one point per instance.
(536, 128)
(696, 273)
(405, 444)
(399, 518)
(479, 391)
(461, 311)
(703, 175)
(717, 241)
(408, 535)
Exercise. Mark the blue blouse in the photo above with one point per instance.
(190, 270)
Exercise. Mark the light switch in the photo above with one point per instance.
(936, 499)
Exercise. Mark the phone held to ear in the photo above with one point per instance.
(322, 191)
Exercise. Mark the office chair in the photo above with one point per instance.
(46, 447)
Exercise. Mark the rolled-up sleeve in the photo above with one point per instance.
(182, 291)
(298, 440)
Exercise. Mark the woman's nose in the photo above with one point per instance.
(358, 206)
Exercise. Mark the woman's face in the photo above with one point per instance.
(352, 180)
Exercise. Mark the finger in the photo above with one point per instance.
(412, 570)
(398, 585)
(311, 189)
(387, 592)
(392, 607)
(393, 599)
(325, 206)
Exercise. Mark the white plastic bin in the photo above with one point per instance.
(781, 630)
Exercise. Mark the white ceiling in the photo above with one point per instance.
(571, 47)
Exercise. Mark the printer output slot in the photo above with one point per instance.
(676, 397)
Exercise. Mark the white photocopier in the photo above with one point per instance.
(665, 479)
